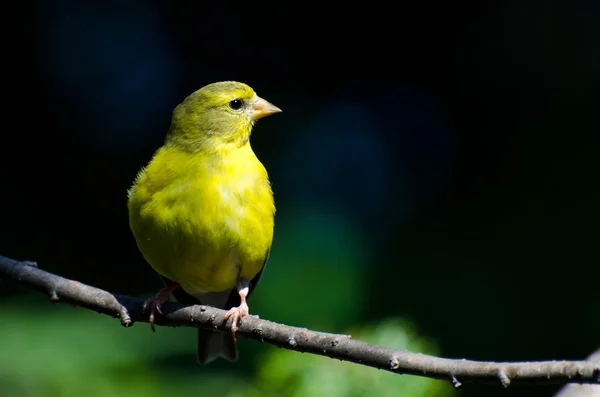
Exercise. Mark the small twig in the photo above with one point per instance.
(458, 372)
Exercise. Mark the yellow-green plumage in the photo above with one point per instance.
(195, 215)
(202, 210)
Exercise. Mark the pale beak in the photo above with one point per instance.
(262, 108)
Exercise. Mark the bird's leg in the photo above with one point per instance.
(155, 303)
(237, 313)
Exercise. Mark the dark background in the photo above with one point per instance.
(434, 160)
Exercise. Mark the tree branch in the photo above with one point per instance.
(459, 372)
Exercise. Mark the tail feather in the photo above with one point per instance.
(212, 345)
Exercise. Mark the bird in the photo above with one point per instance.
(202, 210)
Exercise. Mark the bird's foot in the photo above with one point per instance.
(155, 303)
(236, 314)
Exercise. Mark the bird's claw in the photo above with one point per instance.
(155, 303)
(236, 314)
(155, 306)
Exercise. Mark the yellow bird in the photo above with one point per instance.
(202, 211)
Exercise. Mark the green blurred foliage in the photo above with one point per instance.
(64, 351)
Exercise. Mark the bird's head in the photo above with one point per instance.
(216, 116)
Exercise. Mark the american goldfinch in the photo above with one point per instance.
(202, 211)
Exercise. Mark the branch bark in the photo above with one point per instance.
(342, 347)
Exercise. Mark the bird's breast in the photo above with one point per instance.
(207, 228)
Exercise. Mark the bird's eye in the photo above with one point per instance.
(236, 104)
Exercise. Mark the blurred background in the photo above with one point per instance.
(435, 171)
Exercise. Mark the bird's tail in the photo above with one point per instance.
(212, 345)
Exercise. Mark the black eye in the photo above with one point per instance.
(236, 104)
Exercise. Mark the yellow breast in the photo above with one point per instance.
(203, 220)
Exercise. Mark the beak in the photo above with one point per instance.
(262, 108)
